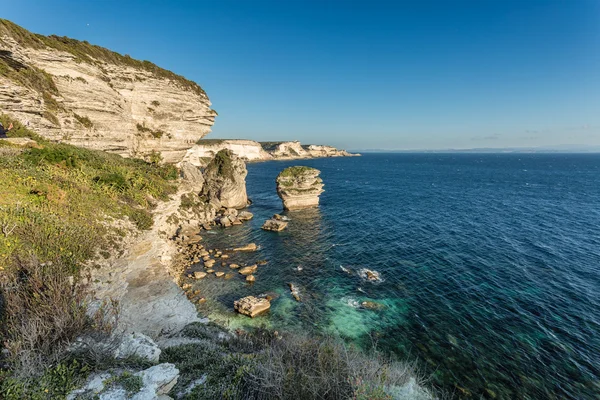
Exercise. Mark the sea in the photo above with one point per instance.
(489, 265)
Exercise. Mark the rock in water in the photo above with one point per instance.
(245, 216)
(251, 306)
(248, 270)
(294, 291)
(299, 187)
(225, 181)
(248, 247)
(274, 225)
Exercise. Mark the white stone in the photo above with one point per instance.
(140, 345)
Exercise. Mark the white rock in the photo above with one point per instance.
(160, 378)
(140, 345)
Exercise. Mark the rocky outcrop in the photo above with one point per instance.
(327, 151)
(225, 181)
(251, 306)
(89, 96)
(276, 224)
(299, 187)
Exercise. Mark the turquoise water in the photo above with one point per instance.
(490, 266)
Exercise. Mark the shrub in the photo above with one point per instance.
(85, 121)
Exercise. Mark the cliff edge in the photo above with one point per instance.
(86, 95)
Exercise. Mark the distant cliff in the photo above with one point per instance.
(89, 96)
(250, 150)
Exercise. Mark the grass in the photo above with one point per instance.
(89, 53)
(56, 204)
(292, 172)
(266, 365)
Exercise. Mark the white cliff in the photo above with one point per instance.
(88, 96)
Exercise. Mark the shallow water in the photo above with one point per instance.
(491, 266)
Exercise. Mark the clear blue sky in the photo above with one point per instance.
(364, 74)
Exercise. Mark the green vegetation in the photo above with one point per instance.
(131, 383)
(56, 204)
(270, 146)
(291, 172)
(85, 121)
(86, 52)
(157, 134)
(221, 165)
(266, 365)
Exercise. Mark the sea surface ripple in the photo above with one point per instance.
(491, 266)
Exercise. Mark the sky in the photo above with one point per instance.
(363, 74)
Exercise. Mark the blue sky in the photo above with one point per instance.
(364, 74)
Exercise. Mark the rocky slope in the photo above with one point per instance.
(85, 95)
(299, 187)
(250, 150)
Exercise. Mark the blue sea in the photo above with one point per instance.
(490, 266)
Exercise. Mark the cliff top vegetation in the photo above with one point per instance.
(89, 53)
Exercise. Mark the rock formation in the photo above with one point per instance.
(249, 150)
(225, 181)
(299, 187)
(275, 224)
(89, 96)
(251, 306)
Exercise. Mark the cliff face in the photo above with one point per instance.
(299, 187)
(225, 181)
(250, 150)
(91, 97)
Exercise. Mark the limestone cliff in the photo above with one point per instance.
(299, 187)
(225, 181)
(248, 150)
(89, 96)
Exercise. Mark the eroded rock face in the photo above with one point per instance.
(274, 225)
(251, 306)
(115, 104)
(225, 181)
(299, 187)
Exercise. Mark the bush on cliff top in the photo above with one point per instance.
(291, 172)
(56, 204)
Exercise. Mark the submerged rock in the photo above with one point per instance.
(294, 291)
(250, 278)
(299, 187)
(370, 275)
(274, 225)
(371, 305)
(251, 306)
(248, 247)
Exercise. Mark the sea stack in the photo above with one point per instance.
(299, 187)
(225, 181)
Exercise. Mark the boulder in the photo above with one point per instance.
(219, 274)
(248, 247)
(250, 278)
(299, 187)
(249, 270)
(234, 266)
(245, 215)
(251, 306)
(274, 225)
(200, 274)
